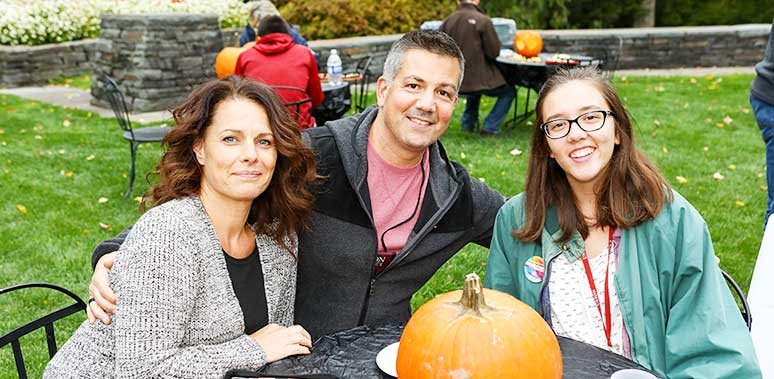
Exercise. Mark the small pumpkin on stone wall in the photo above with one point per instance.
(225, 61)
(460, 335)
(528, 43)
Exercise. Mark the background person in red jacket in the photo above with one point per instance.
(278, 61)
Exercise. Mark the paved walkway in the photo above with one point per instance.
(79, 98)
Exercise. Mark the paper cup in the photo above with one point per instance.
(632, 374)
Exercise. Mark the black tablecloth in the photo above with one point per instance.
(534, 74)
(337, 102)
(352, 354)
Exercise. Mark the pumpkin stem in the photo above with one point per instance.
(473, 295)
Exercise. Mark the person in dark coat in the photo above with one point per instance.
(475, 34)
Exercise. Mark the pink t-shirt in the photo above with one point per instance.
(396, 199)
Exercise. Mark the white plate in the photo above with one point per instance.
(386, 359)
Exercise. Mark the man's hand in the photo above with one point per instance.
(279, 342)
(102, 301)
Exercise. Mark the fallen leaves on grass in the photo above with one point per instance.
(67, 174)
(718, 176)
(66, 123)
(728, 120)
(104, 226)
(102, 200)
(516, 152)
(90, 157)
(681, 179)
(732, 167)
(21, 208)
(740, 203)
(462, 155)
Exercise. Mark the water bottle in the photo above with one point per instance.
(334, 68)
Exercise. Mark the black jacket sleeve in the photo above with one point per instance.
(108, 246)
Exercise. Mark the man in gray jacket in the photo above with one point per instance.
(392, 207)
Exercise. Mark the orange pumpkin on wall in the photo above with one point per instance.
(528, 43)
(225, 61)
(460, 335)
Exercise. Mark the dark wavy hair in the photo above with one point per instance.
(283, 208)
(631, 191)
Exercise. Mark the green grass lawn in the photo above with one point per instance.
(63, 171)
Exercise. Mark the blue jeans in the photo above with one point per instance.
(764, 115)
(504, 95)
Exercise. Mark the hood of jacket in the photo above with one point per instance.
(274, 43)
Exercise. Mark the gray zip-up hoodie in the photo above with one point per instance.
(762, 85)
(337, 287)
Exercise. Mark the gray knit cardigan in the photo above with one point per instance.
(177, 315)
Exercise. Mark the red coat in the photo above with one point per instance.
(277, 61)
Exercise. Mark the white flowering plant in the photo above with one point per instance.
(24, 22)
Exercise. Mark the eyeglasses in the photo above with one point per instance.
(588, 122)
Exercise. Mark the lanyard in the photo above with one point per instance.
(606, 325)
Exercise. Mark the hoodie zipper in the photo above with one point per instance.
(406, 249)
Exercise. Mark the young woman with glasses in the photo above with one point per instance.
(606, 251)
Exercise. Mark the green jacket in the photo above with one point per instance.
(680, 316)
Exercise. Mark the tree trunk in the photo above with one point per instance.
(648, 18)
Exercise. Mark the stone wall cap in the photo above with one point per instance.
(750, 29)
(28, 48)
(354, 41)
(161, 17)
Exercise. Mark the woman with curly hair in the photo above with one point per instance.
(205, 281)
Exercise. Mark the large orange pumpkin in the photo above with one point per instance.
(459, 335)
(528, 43)
(225, 61)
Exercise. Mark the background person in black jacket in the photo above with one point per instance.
(392, 208)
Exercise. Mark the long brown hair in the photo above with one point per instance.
(287, 200)
(631, 189)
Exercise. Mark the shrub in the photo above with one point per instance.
(24, 22)
(347, 18)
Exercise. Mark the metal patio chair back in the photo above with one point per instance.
(361, 87)
(294, 107)
(135, 136)
(46, 322)
(744, 307)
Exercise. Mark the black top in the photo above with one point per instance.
(247, 279)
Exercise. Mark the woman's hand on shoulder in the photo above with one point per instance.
(280, 342)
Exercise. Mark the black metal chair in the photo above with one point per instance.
(294, 107)
(361, 87)
(134, 136)
(744, 306)
(46, 322)
(607, 54)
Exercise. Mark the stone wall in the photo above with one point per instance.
(636, 48)
(155, 59)
(34, 65)
(676, 47)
